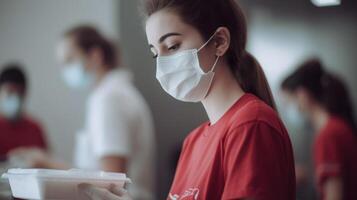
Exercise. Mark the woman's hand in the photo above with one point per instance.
(90, 192)
(34, 157)
(29, 157)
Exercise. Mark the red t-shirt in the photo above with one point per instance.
(335, 154)
(247, 153)
(23, 133)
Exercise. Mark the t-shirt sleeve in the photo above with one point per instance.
(328, 157)
(111, 128)
(251, 162)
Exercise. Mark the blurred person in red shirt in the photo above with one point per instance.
(17, 129)
(323, 100)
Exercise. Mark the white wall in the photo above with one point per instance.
(281, 42)
(28, 33)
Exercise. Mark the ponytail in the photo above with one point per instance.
(336, 98)
(252, 79)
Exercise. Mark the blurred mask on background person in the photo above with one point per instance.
(11, 100)
(10, 105)
(76, 76)
(77, 65)
(294, 115)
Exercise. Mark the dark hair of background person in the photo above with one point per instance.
(87, 38)
(326, 88)
(207, 16)
(13, 73)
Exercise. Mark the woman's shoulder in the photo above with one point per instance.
(246, 113)
(335, 128)
(253, 111)
(197, 132)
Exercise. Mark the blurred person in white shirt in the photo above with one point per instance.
(118, 135)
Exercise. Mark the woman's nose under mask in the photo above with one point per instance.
(181, 75)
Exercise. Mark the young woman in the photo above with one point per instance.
(244, 151)
(325, 102)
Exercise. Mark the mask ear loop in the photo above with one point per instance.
(206, 42)
(215, 63)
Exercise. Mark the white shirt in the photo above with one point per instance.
(119, 123)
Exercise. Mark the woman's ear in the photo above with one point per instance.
(222, 41)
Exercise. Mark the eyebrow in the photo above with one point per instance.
(164, 37)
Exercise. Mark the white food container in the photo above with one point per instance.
(58, 184)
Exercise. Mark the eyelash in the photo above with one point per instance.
(173, 47)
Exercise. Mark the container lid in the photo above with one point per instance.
(68, 174)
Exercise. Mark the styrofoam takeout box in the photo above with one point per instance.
(58, 184)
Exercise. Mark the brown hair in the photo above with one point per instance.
(87, 37)
(207, 16)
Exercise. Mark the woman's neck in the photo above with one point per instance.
(224, 92)
(319, 117)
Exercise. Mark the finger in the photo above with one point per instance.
(100, 194)
(95, 193)
(120, 191)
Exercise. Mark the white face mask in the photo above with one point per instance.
(76, 76)
(10, 106)
(295, 117)
(181, 75)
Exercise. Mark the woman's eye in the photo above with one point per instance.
(174, 47)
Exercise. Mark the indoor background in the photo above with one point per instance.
(282, 34)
